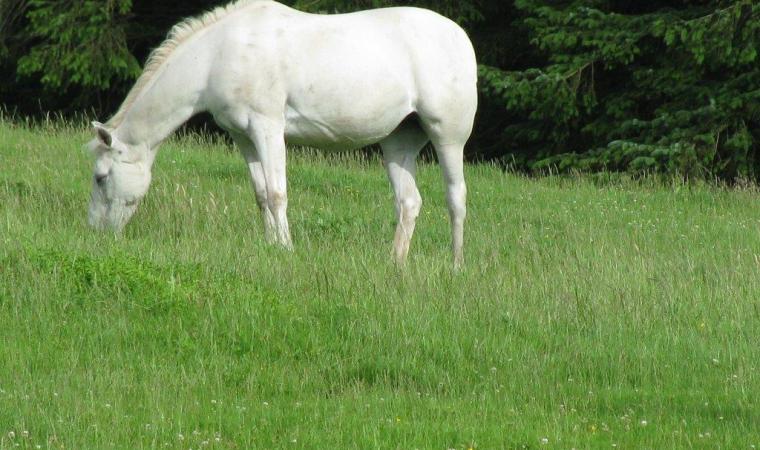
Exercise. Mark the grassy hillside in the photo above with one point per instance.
(589, 315)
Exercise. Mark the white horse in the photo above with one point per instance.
(400, 77)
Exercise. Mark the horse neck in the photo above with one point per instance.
(169, 99)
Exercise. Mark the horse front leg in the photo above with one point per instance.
(268, 136)
(256, 170)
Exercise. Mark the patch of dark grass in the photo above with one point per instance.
(115, 277)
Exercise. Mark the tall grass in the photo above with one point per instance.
(589, 315)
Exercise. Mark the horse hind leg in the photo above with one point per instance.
(451, 159)
(400, 150)
(449, 136)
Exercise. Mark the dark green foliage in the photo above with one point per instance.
(667, 86)
(671, 90)
(78, 42)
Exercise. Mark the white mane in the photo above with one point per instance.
(179, 33)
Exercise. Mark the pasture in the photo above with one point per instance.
(591, 312)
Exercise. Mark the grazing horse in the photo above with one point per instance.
(400, 77)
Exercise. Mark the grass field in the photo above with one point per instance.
(616, 314)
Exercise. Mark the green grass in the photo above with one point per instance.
(590, 314)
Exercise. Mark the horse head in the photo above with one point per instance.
(121, 177)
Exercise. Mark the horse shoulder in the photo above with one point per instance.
(247, 69)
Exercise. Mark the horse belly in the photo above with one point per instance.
(345, 122)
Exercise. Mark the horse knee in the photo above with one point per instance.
(410, 206)
(277, 201)
(261, 198)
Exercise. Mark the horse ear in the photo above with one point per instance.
(104, 134)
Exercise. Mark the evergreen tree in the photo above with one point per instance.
(661, 86)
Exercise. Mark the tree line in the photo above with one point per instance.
(668, 86)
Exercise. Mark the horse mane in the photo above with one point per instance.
(179, 33)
